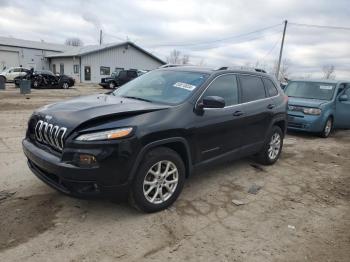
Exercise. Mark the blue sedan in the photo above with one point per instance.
(318, 106)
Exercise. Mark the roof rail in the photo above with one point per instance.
(174, 65)
(241, 68)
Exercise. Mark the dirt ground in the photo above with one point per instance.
(301, 212)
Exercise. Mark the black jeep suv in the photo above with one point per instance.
(148, 136)
(118, 78)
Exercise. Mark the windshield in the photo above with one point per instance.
(5, 70)
(310, 90)
(164, 86)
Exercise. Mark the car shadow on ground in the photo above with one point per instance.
(339, 133)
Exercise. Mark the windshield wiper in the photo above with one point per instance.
(138, 98)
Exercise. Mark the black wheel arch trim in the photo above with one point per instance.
(277, 119)
(163, 142)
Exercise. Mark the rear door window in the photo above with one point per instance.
(226, 87)
(270, 87)
(132, 74)
(347, 91)
(252, 88)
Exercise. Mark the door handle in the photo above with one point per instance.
(270, 106)
(237, 113)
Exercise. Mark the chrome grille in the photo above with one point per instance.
(295, 108)
(50, 134)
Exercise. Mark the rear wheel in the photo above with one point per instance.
(65, 85)
(328, 127)
(36, 83)
(272, 148)
(159, 180)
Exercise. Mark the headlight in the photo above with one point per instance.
(105, 135)
(312, 111)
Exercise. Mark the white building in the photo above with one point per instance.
(29, 54)
(86, 64)
(89, 64)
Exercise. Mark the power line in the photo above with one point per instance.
(238, 42)
(114, 36)
(321, 26)
(219, 40)
(269, 52)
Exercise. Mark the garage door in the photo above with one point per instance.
(8, 59)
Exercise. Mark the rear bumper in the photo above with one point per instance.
(70, 179)
(308, 123)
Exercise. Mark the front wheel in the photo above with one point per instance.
(327, 129)
(111, 85)
(272, 148)
(159, 180)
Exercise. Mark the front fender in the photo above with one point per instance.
(162, 142)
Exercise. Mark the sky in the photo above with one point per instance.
(213, 33)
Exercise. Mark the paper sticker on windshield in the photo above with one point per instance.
(184, 86)
(326, 87)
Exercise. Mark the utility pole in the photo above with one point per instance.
(101, 37)
(281, 50)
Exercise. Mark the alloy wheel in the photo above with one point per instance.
(275, 146)
(328, 127)
(65, 85)
(160, 182)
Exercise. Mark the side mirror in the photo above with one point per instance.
(212, 102)
(343, 98)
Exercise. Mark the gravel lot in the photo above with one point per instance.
(301, 212)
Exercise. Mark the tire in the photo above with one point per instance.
(36, 84)
(111, 85)
(328, 128)
(146, 185)
(272, 148)
(65, 85)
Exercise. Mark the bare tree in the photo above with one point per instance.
(202, 62)
(74, 41)
(328, 71)
(185, 59)
(175, 58)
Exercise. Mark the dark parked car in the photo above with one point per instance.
(46, 79)
(149, 135)
(118, 78)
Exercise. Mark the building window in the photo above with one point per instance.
(105, 70)
(54, 68)
(61, 69)
(76, 69)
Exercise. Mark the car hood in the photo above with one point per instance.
(73, 113)
(295, 101)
